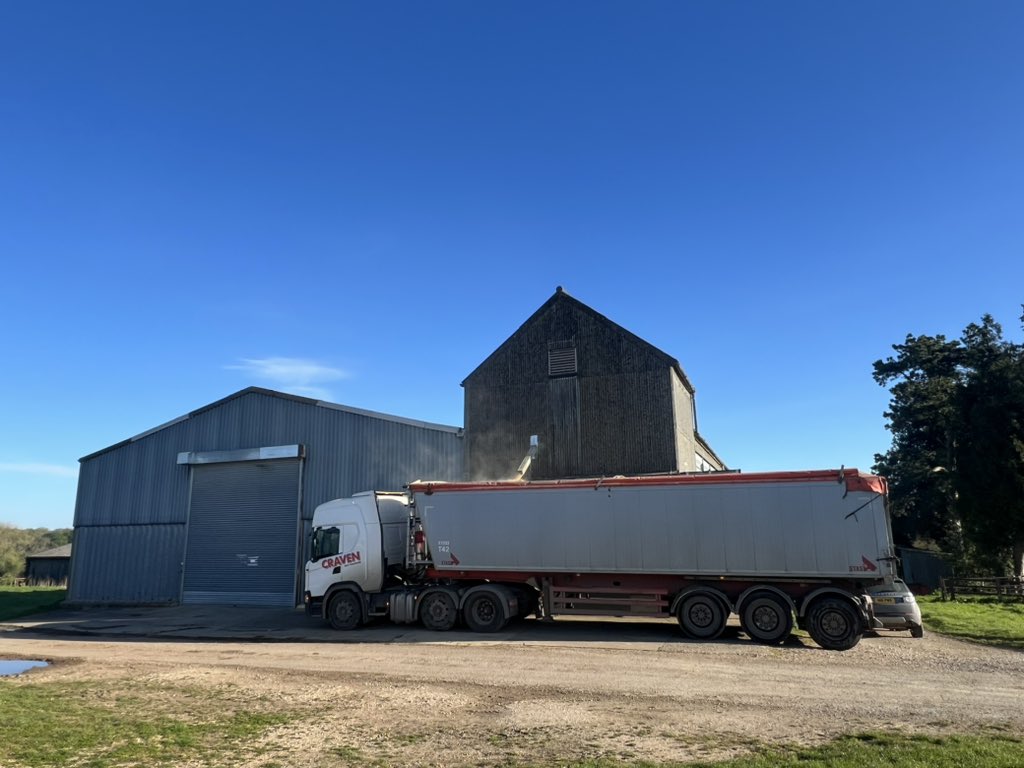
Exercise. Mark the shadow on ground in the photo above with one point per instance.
(218, 623)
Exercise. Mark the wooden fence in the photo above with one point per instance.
(1004, 588)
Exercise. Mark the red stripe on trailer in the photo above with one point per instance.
(853, 478)
(617, 581)
(482, 575)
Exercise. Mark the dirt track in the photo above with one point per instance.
(461, 701)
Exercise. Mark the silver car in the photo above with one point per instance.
(896, 608)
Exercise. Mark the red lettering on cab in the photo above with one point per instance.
(341, 560)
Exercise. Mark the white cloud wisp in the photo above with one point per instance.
(296, 375)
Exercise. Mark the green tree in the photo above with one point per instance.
(956, 464)
(990, 446)
(924, 377)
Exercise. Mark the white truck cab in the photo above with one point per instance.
(354, 543)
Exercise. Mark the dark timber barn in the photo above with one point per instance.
(49, 567)
(215, 506)
(601, 400)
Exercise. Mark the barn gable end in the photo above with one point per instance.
(601, 400)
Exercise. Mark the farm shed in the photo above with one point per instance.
(49, 567)
(923, 570)
(215, 506)
(601, 400)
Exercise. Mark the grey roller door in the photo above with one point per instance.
(243, 533)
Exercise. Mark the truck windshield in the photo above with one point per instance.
(326, 541)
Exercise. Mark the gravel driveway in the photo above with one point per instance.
(577, 690)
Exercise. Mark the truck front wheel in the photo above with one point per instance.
(438, 612)
(833, 624)
(344, 611)
(483, 612)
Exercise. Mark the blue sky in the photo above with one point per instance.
(360, 201)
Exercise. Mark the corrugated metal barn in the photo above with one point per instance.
(215, 507)
(601, 400)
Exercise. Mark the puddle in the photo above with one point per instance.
(10, 667)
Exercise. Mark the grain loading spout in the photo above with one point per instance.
(524, 465)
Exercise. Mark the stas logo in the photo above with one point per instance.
(866, 567)
(341, 560)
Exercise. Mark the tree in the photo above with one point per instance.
(956, 464)
(990, 446)
(924, 376)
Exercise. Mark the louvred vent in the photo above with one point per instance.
(562, 362)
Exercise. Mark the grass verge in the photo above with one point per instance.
(91, 726)
(867, 751)
(24, 601)
(888, 751)
(980, 620)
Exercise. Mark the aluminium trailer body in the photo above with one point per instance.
(767, 546)
(828, 524)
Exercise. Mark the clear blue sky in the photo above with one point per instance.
(360, 201)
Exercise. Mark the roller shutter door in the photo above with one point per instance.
(243, 533)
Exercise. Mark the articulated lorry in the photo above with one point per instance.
(776, 549)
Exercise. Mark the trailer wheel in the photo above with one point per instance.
(344, 611)
(833, 624)
(766, 619)
(702, 617)
(438, 611)
(483, 612)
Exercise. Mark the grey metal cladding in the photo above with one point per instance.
(126, 564)
(139, 481)
(373, 454)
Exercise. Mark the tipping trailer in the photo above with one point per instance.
(776, 549)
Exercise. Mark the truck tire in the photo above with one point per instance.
(833, 624)
(766, 618)
(917, 631)
(438, 611)
(702, 617)
(483, 612)
(344, 612)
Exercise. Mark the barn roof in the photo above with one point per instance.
(560, 296)
(51, 554)
(282, 396)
